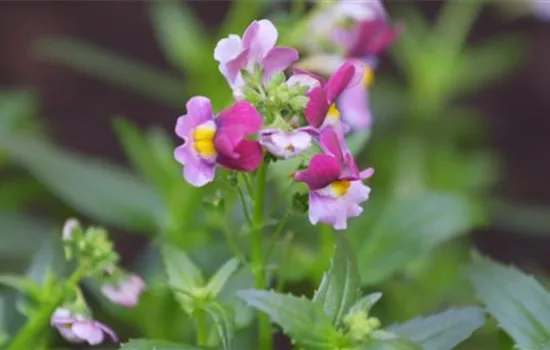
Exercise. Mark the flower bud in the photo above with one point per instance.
(126, 291)
(80, 328)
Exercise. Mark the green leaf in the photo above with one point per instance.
(182, 272)
(224, 322)
(16, 106)
(22, 284)
(115, 69)
(152, 344)
(221, 276)
(517, 301)
(390, 344)
(181, 35)
(106, 193)
(22, 235)
(301, 319)
(339, 289)
(365, 303)
(442, 331)
(408, 227)
(240, 14)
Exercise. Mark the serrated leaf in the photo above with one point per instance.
(105, 192)
(365, 303)
(242, 279)
(182, 272)
(152, 344)
(408, 227)
(224, 322)
(442, 331)
(339, 289)
(221, 276)
(301, 319)
(516, 300)
(118, 70)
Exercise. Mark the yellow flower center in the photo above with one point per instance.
(340, 188)
(204, 140)
(368, 76)
(333, 112)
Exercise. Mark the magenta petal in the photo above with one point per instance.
(339, 81)
(199, 111)
(227, 139)
(317, 107)
(233, 67)
(354, 107)
(242, 114)
(277, 60)
(385, 38)
(249, 156)
(323, 170)
(332, 143)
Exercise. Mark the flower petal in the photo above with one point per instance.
(332, 143)
(199, 111)
(228, 48)
(241, 114)
(317, 107)
(354, 107)
(277, 60)
(196, 171)
(367, 173)
(88, 331)
(303, 80)
(323, 170)
(249, 156)
(234, 67)
(260, 37)
(108, 331)
(339, 81)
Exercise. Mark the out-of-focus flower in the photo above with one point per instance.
(126, 291)
(210, 141)
(286, 145)
(541, 9)
(255, 50)
(321, 109)
(69, 227)
(79, 328)
(335, 184)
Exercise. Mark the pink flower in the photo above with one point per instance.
(125, 292)
(335, 184)
(80, 328)
(286, 145)
(210, 141)
(69, 227)
(321, 108)
(256, 48)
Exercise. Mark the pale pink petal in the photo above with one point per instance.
(323, 170)
(260, 37)
(354, 107)
(277, 60)
(108, 331)
(89, 332)
(303, 80)
(197, 172)
(233, 68)
(199, 111)
(228, 48)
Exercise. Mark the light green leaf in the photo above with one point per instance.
(339, 289)
(442, 331)
(242, 279)
(408, 227)
(115, 69)
(106, 193)
(365, 303)
(20, 283)
(181, 35)
(301, 319)
(152, 344)
(224, 322)
(516, 300)
(216, 283)
(16, 106)
(390, 344)
(182, 272)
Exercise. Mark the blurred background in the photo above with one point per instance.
(48, 86)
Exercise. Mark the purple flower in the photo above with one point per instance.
(256, 48)
(69, 227)
(79, 328)
(335, 183)
(125, 292)
(210, 141)
(354, 101)
(286, 145)
(321, 108)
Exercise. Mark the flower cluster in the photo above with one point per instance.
(95, 258)
(288, 116)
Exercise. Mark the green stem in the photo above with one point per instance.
(326, 248)
(264, 326)
(38, 323)
(277, 234)
(201, 327)
(244, 205)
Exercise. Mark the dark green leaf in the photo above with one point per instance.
(407, 228)
(224, 322)
(113, 68)
(339, 289)
(517, 301)
(216, 283)
(304, 321)
(151, 344)
(442, 331)
(105, 192)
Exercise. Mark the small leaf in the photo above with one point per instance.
(182, 272)
(105, 192)
(408, 227)
(301, 319)
(442, 331)
(221, 276)
(152, 344)
(339, 289)
(517, 301)
(22, 284)
(365, 303)
(224, 321)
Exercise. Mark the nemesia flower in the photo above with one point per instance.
(210, 141)
(335, 183)
(255, 49)
(80, 328)
(125, 292)
(69, 227)
(321, 108)
(286, 145)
